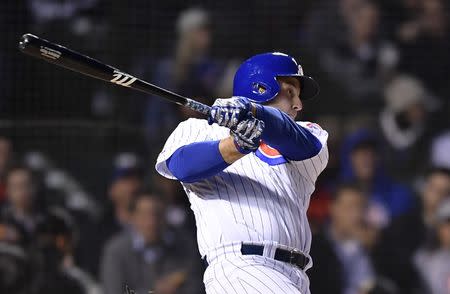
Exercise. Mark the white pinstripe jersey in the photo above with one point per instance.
(251, 200)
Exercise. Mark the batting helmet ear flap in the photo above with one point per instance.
(258, 86)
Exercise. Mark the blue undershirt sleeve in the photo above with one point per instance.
(197, 161)
(282, 133)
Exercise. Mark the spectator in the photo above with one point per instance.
(190, 71)
(20, 213)
(439, 150)
(46, 11)
(424, 45)
(321, 197)
(57, 273)
(403, 123)
(363, 59)
(326, 25)
(65, 22)
(407, 233)
(341, 265)
(125, 183)
(399, 13)
(15, 269)
(433, 264)
(147, 258)
(177, 205)
(361, 161)
(5, 161)
(403, 119)
(74, 16)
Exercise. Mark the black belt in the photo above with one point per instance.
(289, 256)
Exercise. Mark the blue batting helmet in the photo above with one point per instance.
(256, 78)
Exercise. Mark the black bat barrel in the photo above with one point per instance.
(64, 57)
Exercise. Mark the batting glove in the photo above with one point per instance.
(247, 135)
(230, 112)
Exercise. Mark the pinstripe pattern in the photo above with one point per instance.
(250, 201)
(254, 274)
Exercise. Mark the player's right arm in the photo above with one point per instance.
(292, 140)
(281, 132)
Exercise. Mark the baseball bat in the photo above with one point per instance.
(65, 57)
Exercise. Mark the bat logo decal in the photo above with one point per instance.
(122, 79)
(49, 52)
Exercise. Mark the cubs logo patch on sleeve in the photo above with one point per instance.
(313, 126)
(269, 155)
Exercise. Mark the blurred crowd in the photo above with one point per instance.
(82, 210)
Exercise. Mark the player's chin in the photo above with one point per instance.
(294, 115)
(291, 113)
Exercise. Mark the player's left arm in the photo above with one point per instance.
(196, 161)
(292, 140)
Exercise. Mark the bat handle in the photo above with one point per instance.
(197, 106)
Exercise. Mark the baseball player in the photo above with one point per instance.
(249, 171)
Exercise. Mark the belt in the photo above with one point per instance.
(293, 257)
